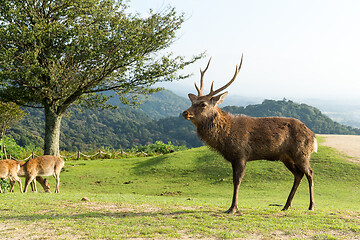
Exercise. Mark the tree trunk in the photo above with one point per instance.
(52, 132)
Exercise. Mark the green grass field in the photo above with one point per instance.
(183, 195)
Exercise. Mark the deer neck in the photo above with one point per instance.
(214, 129)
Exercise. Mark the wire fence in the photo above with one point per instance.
(79, 155)
(157, 148)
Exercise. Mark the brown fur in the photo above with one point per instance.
(14, 169)
(241, 139)
(43, 166)
(43, 181)
(9, 169)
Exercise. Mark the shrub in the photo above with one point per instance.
(11, 148)
(158, 148)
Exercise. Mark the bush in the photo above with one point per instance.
(158, 148)
(11, 148)
(5, 185)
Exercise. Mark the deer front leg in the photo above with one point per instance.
(28, 180)
(33, 185)
(238, 174)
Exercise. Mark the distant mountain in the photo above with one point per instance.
(158, 105)
(127, 127)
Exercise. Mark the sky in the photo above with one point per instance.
(308, 49)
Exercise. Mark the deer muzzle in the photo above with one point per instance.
(187, 115)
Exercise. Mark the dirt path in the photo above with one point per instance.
(347, 144)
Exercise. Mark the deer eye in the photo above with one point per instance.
(203, 105)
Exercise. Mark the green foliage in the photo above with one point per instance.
(157, 105)
(158, 148)
(4, 185)
(56, 54)
(12, 148)
(10, 113)
(121, 128)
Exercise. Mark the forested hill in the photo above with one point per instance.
(311, 116)
(126, 127)
(158, 105)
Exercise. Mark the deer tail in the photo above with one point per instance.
(315, 145)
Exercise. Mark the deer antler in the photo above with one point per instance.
(237, 70)
(200, 91)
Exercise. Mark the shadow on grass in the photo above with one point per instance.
(112, 215)
(207, 164)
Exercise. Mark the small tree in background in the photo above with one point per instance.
(10, 113)
(58, 53)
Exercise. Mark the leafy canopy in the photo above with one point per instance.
(10, 113)
(60, 52)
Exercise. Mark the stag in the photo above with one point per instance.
(240, 138)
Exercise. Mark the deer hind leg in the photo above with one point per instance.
(12, 185)
(16, 178)
(238, 174)
(19, 181)
(298, 175)
(309, 175)
(57, 177)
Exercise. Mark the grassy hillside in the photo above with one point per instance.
(183, 195)
(203, 173)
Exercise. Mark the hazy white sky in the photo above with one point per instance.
(292, 49)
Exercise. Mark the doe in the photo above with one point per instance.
(13, 169)
(46, 165)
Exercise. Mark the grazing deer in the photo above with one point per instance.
(240, 138)
(43, 166)
(43, 181)
(14, 169)
(9, 169)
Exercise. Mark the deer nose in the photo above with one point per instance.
(186, 115)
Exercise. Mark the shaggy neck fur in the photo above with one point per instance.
(214, 129)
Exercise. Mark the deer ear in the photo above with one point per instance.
(192, 97)
(216, 100)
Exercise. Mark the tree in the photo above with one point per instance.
(10, 113)
(59, 53)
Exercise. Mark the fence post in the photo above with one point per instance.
(32, 154)
(99, 153)
(5, 152)
(78, 155)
